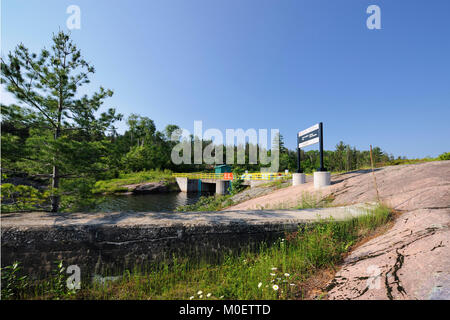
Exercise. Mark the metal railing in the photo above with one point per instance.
(268, 176)
(199, 175)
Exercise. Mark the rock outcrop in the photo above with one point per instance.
(147, 188)
(412, 259)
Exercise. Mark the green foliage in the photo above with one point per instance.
(23, 198)
(211, 203)
(237, 184)
(13, 284)
(54, 287)
(397, 162)
(444, 156)
(117, 185)
(58, 283)
(278, 183)
(63, 134)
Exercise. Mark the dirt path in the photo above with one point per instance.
(410, 261)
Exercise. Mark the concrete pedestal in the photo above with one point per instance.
(322, 179)
(298, 178)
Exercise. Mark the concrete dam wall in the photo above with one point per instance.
(108, 243)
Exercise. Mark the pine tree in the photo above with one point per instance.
(48, 83)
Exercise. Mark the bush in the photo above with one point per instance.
(444, 156)
(212, 203)
(13, 285)
(22, 198)
(237, 184)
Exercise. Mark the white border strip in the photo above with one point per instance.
(314, 127)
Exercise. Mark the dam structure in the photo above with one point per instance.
(220, 183)
(108, 243)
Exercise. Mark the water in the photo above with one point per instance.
(162, 202)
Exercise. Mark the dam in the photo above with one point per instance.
(108, 243)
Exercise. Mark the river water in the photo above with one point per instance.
(165, 202)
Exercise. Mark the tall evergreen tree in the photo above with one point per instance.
(49, 83)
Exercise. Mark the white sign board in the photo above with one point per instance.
(308, 136)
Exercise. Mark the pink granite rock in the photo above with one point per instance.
(410, 261)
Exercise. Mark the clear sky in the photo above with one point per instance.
(264, 64)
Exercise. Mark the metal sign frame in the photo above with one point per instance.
(308, 137)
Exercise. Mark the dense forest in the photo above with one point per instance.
(56, 143)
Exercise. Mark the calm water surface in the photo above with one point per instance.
(165, 202)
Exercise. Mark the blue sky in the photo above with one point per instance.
(264, 64)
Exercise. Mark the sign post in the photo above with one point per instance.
(299, 167)
(321, 147)
(308, 137)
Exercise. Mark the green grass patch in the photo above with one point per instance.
(208, 203)
(117, 185)
(275, 271)
(277, 184)
(406, 161)
(306, 201)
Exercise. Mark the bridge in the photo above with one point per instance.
(221, 182)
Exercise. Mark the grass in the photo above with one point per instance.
(208, 203)
(117, 185)
(277, 184)
(406, 161)
(275, 271)
(306, 201)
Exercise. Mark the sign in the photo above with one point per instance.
(308, 136)
(228, 176)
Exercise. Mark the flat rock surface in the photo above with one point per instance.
(121, 219)
(411, 260)
(403, 187)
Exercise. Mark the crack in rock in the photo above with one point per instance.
(394, 272)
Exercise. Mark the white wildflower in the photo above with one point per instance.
(286, 274)
(259, 285)
(191, 297)
(208, 295)
(275, 287)
(200, 292)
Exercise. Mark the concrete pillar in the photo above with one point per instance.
(187, 185)
(182, 184)
(322, 179)
(221, 187)
(298, 178)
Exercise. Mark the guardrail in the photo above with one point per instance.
(199, 175)
(269, 176)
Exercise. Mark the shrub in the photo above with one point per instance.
(22, 198)
(444, 156)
